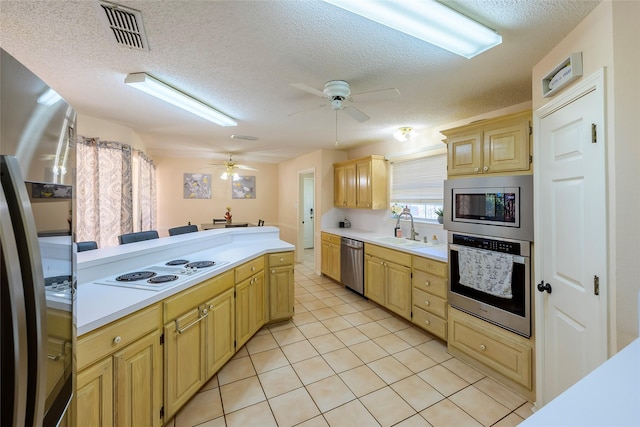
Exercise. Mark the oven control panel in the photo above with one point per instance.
(487, 244)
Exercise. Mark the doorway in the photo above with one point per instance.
(306, 210)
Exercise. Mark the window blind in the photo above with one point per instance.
(419, 180)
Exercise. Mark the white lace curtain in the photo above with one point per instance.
(115, 191)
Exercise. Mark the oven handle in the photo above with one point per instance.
(517, 259)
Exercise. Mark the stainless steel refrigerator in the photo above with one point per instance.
(37, 167)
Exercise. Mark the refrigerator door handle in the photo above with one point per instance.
(30, 264)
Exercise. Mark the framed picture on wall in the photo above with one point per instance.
(197, 186)
(244, 187)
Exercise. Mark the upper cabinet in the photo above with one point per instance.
(494, 146)
(361, 183)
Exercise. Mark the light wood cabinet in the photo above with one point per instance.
(250, 300)
(361, 183)
(500, 353)
(198, 336)
(330, 255)
(119, 378)
(387, 279)
(281, 286)
(429, 295)
(494, 146)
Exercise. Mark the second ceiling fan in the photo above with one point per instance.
(338, 92)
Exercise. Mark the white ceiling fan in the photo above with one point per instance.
(338, 93)
(231, 168)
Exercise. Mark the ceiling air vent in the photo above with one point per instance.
(125, 24)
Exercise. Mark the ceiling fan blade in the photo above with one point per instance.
(374, 95)
(308, 109)
(308, 89)
(355, 113)
(246, 168)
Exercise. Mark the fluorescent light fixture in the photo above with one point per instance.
(49, 97)
(429, 21)
(403, 134)
(163, 91)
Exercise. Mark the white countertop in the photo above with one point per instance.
(437, 252)
(98, 305)
(608, 396)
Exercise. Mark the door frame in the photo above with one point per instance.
(594, 82)
(300, 214)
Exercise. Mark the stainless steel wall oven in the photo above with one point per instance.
(506, 304)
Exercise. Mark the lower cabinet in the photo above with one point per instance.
(501, 353)
(280, 285)
(250, 300)
(429, 295)
(330, 255)
(387, 279)
(119, 380)
(198, 338)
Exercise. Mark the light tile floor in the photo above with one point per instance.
(344, 361)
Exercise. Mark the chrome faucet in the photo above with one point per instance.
(413, 231)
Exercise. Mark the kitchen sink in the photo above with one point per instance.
(402, 242)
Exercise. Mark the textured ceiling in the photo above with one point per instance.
(242, 56)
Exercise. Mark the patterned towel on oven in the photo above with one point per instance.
(488, 272)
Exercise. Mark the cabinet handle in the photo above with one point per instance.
(476, 170)
(117, 340)
(426, 302)
(281, 259)
(253, 268)
(483, 347)
(486, 168)
(426, 283)
(203, 315)
(56, 357)
(427, 322)
(273, 271)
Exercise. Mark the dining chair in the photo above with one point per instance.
(183, 229)
(138, 236)
(87, 246)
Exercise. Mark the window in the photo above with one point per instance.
(418, 185)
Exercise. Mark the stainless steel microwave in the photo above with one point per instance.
(500, 206)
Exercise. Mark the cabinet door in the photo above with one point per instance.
(243, 327)
(334, 262)
(374, 279)
(280, 293)
(339, 186)
(138, 383)
(350, 190)
(258, 302)
(464, 154)
(363, 184)
(506, 148)
(398, 289)
(184, 351)
(94, 395)
(220, 331)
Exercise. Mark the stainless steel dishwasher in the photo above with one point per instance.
(352, 264)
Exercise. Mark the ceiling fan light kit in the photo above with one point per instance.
(403, 134)
(429, 21)
(154, 87)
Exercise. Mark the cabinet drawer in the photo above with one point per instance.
(116, 335)
(248, 269)
(432, 284)
(194, 296)
(331, 238)
(430, 323)
(430, 303)
(281, 258)
(430, 266)
(392, 255)
(501, 350)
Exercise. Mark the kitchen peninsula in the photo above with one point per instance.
(164, 340)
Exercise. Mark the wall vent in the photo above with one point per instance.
(124, 24)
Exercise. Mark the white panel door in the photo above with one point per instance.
(571, 245)
(308, 207)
